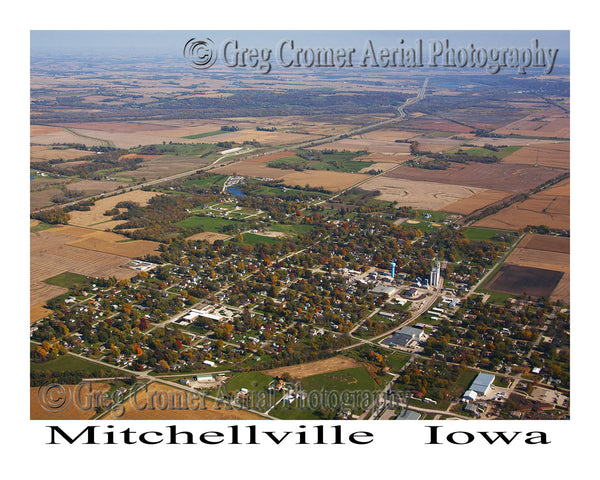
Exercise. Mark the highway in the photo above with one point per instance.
(233, 155)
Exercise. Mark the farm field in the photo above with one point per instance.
(495, 176)
(556, 155)
(51, 254)
(519, 280)
(96, 216)
(93, 187)
(332, 181)
(549, 207)
(547, 125)
(164, 166)
(386, 135)
(546, 242)
(135, 411)
(41, 153)
(370, 145)
(303, 370)
(475, 202)
(418, 194)
(73, 411)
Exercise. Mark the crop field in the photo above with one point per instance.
(549, 207)
(429, 124)
(370, 145)
(164, 166)
(475, 202)
(386, 135)
(41, 153)
(92, 187)
(495, 176)
(518, 280)
(264, 138)
(73, 411)
(549, 125)
(61, 135)
(331, 181)
(556, 155)
(96, 216)
(156, 398)
(418, 194)
(116, 244)
(51, 255)
(546, 242)
(248, 168)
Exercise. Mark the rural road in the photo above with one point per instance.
(215, 163)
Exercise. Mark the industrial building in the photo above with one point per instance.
(482, 383)
(404, 336)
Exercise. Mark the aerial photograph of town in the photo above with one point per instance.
(299, 225)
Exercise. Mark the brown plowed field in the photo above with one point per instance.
(475, 202)
(147, 406)
(495, 176)
(332, 181)
(315, 368)
(549, 155)
(387, 135)
(43, 153)
(529, 257)
(51, 255)
(116, 244)
(433, 124)
(74, 410)
(546, 242)
(555, 125)
(549, 207)
(92, 187)
(43, 129)
(517, 280)
(416, 194)
(378, 146)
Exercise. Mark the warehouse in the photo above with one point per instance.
(482, 383)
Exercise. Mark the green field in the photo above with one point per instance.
(210, 224)
(41, 226)
(207, 181)
(500, 153)
(336, 162)
(477, 233)
(253, 381)
(69, 363)
(253, 239)
(205, 134)
(350, 379)
(179, 149)
(67, 280)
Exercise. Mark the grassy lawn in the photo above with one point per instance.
(253, 381)
(351, 379)
(478, 233)
(66, 280)
(210, 224)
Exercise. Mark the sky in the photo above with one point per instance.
(162, 42)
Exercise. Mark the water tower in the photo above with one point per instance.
(393, 269)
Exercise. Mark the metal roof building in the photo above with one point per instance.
(482, 383)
